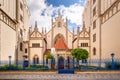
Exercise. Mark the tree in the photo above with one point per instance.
(49, 56)
(79, 53)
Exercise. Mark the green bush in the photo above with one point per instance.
(12, 67)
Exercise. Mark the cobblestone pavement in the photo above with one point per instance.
(87, 76)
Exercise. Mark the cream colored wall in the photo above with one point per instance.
(61, 30)
(75, 44)
(87, 14)
(8, 42)
(111, 37)
(84, 41)
(26, 22)
(9, 7)
(70, 39)
(48, 38)
(36, 51)
(105, 4)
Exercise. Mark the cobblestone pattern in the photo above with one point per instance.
(61, 77)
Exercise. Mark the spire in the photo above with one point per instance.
(83, 28)
(36, 28)
(42, 30)
(45, 30)
(66, 22)
(59, 14)
(73, 30)
(52, 21)
(78, 29)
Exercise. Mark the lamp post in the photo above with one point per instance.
(113, 64)
(9, 61)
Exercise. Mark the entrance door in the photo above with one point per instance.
(35, 60)
(61, 63)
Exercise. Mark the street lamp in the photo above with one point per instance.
(113, 64)
(9, 61)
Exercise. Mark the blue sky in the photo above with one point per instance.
(42, 10)
(66, 3)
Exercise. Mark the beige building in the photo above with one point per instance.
(102, 17)
(59, 41)
(7, 29)
(14, 24)
(23, 18)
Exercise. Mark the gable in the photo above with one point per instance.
(36, 34)
(84, 34)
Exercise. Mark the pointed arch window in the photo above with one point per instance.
(94, 51)
(21, 46)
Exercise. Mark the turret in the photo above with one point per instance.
(36, 28)
(78, 30)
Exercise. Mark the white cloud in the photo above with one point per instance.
(73, 13)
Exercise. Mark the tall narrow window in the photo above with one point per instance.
(94, 11)
(94, 51)
(25, 50)
(94, 37)
(21, 6)
(21, 46)
(94, 24)
(21, 18)
(21, 33)
(94, 1)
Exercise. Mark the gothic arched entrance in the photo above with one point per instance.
(61, 63)
(35, 59)
(57, 37)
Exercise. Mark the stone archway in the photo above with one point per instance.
(35, 59)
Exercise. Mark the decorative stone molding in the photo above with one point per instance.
(115, 8)
(7, 20)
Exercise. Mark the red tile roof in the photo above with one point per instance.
(60, 44)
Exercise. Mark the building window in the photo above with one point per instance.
(94, 11)
(21, 18)
(94, 24)
(94, 37)
(21, 33)
(94, 51)
(35, 44)
(25, 50)
(59, 24)
(94, 1)
(21, 46)
(21, 6)
(84, 44)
